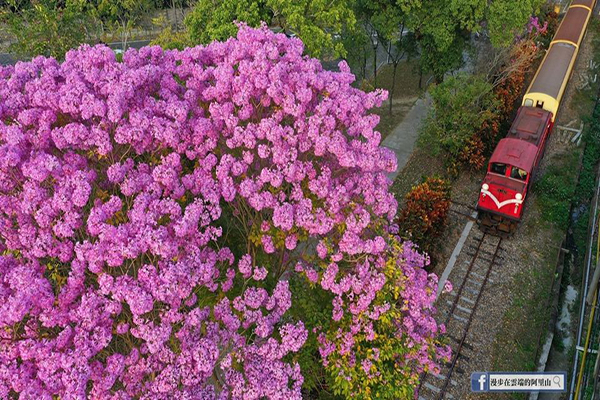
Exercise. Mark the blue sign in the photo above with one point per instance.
(479, 382)
(519, 381)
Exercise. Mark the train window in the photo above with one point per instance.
(498, 168)
(518, 173)
(529, 102)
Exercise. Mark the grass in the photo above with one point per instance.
(419, 166)
(406, 92)
(556, 188)
(407, 79)
(580, 233)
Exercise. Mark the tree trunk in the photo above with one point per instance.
(392, 89)
(124, 40)
(375, 65)
(420, 78)
(389, 51)
(124, 35)
(175, 19)
(364, 64)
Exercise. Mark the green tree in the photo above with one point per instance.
(215, 19)
(438, 61)
(318, 23)
(364, 11)
(506, 19)
(461, 106)
(391, 22)
(358, 46)
(443, 28)
(48, 27)
(122, 16)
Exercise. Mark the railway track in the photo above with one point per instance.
(464, 210)
(474, 276)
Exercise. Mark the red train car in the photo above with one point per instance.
(510, 170)
(515, 159)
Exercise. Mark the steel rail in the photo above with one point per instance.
(456, 299)
(467, 216)
(462, 285)
(458, 203)
(469, 321)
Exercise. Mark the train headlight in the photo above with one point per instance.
(519, 196)
(485, 186)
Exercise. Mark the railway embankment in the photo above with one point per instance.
(551, 240)
(517, 314)
(576, 328)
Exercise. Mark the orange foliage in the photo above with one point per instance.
(423, 216)
(511, 81)
(473, 153)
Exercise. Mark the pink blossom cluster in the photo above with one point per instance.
(419, 291)
(534, 25)
(411, 317)
(120, 186)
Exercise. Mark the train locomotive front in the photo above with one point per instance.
(511, 170)
(514, 162)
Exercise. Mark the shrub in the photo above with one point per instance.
(168, 38)
(423, 216)
(461, 106)
(587, 181)
(509, 82)
(154, 212)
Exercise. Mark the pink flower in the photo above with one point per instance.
(447, 287)
(264, 226)
(122, 328)
(267, 243)
(260, 273)
(291, 242)
(321, 250)
(245, 266)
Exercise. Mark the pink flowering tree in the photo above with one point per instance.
(202, 224)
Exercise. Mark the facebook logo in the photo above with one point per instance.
(479, 382)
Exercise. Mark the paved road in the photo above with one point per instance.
(9, 59)
(403, 138)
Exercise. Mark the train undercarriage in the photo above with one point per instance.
(496, 224)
